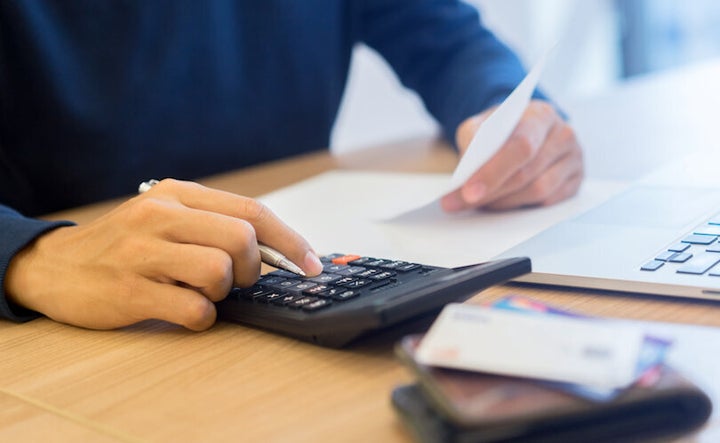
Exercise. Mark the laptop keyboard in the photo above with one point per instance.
(698, 253)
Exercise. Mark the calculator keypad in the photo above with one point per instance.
(344, 277)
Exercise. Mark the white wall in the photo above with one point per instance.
(377, 109)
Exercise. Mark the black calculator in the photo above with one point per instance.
(356, 295)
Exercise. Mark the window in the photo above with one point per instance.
(659, 34)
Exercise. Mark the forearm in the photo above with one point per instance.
(440, 49)
(17, 232)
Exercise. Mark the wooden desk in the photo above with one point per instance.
(158, 382)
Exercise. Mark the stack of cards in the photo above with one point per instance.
(520, 370)
(589, 357)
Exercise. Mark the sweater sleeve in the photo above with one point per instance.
(16, 232)
(440, 49)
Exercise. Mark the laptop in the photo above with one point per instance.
(660, 236)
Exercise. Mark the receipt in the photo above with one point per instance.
(488, 139)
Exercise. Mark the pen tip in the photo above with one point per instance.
(292, 267)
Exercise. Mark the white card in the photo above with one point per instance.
(580, 351)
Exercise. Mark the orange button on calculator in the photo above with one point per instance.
(345, 259)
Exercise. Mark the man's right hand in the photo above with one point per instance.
(166, 254)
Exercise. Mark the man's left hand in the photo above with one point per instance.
(540, 164)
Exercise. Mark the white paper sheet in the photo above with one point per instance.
(488, 139)
(337, 212)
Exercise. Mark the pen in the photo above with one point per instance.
(267, 254)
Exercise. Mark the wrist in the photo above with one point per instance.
(27, 276)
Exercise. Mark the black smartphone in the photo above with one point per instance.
(463, 406)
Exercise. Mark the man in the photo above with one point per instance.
(96, 96)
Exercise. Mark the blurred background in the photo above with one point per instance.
(602, 43)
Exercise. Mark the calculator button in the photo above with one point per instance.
(253, 292)
(361, 261)
(302, 286)
(270, 297)
(287, 299)
(269, 280)
(287, 284)
(317, 304)
(407, 267)
(367, 273)
(376, 262)
(355, 283)
(316, 290)
(382, 275)
(345, 259)
(325, 278)
(340, 294)
(330, 257)
(282, 273)
(300, 302)
(334, 269)
(394, 264)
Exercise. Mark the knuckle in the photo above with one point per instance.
(133, 247)
(175, 186)
(244, 232)
(219, 269)
(167, 184)
(249, 274)
(542, 109)
(130, 287)
(522, 177)
(523, 146)
(198, 314)
(145, 210)
(547, 109)
(253, 210)
(566, 135)
(540, 189)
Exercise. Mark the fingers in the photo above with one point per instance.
(208, 271)
(269, 229)
(540, 163)
(234, 239)
(174, 304)
(558, 162)
(555, 185)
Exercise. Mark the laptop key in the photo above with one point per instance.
(680, 257)
(715, 247)
(666, 256)
(707, 229)
(653, 265)
(696, 239)
(700, 264)
(679, 247)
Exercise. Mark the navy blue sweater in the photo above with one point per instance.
(98, 95)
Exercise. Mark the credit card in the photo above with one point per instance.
(545, 347)
(652, 353)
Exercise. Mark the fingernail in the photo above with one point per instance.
(474, 192)
(312, 263)
(453, 203)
